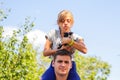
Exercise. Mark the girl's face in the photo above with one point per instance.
(65, 24)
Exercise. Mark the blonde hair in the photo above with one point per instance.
(63, 14)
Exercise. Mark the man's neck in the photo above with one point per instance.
(61, 77)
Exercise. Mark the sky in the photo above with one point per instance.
(97, 21)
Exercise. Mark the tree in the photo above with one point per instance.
(92, 68)
(18, 58)
(3, 13)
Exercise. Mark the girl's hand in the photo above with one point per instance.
(66, 40)
(68, 48)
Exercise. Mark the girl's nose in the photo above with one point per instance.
(65, 22)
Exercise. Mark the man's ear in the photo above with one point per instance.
(53, 63)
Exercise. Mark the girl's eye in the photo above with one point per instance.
(68, 20)
(62, 21)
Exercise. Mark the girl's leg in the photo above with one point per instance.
(49, 74)
(73, 75)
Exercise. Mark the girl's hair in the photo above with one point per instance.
(63, 14)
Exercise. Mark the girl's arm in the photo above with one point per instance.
(79, 45)
(47, 48)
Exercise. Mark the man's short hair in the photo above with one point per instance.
(62, 52)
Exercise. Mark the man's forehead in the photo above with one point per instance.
(61, 57)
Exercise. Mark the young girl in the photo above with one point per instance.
(63, 38)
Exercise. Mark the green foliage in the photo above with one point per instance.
(91, 68)
(3, 12)
(44, 63)
(18, 58)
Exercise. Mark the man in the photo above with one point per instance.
(62, 64)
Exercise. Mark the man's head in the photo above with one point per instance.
(62, 62)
